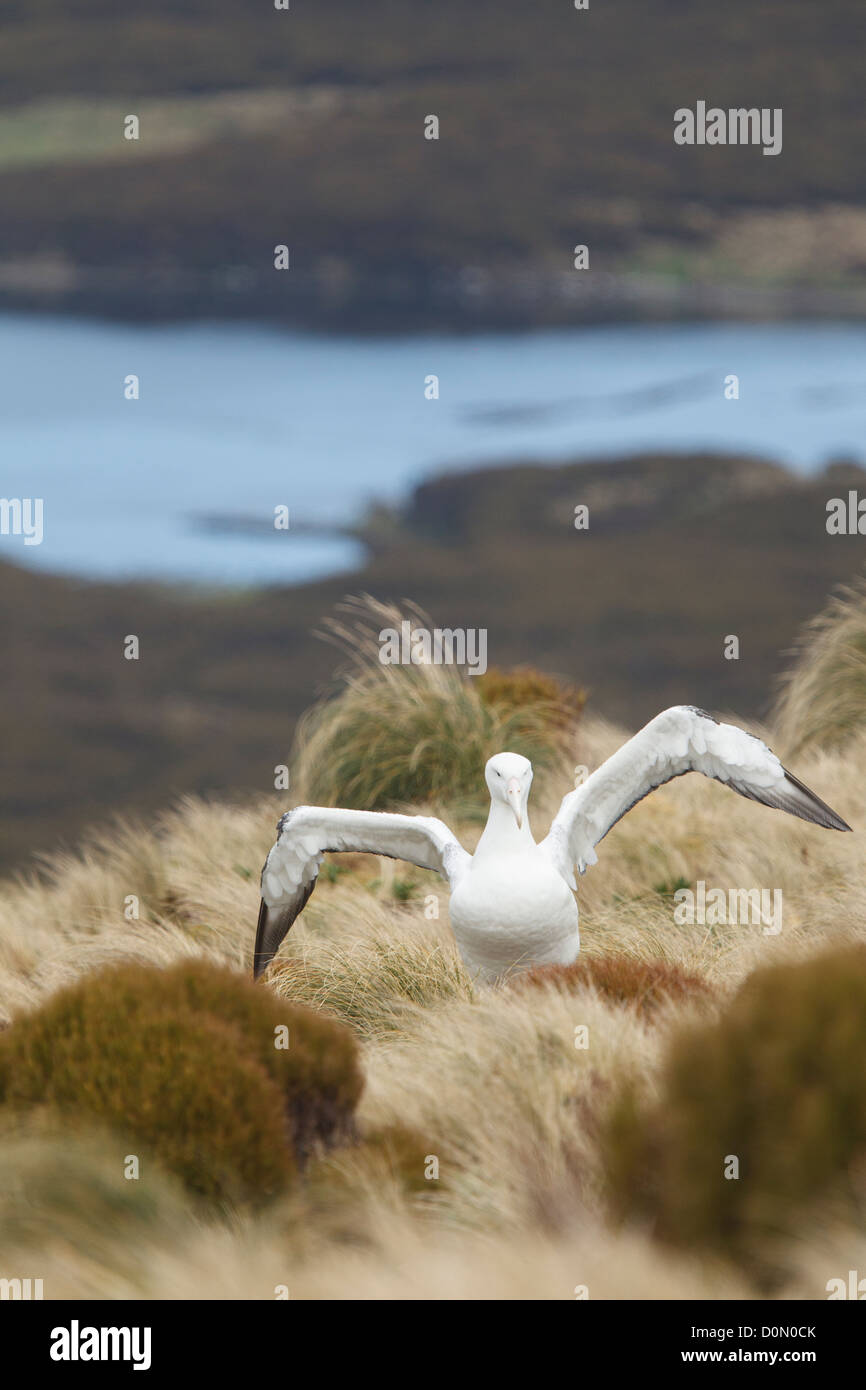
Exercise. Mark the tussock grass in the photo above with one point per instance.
(372, 986)
(488, 1082)
(397, 734)
(823, 696)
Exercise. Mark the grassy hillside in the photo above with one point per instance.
(679, 554)
(306, 127)
(488, 1081)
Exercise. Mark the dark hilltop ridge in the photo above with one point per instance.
(306, 128)
(680, 553)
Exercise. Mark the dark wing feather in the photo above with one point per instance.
(273, 926)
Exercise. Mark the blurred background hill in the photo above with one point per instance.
(305, 127)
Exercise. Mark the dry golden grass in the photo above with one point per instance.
(487, 1082)
(823, 697)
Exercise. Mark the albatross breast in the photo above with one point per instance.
(514, 912)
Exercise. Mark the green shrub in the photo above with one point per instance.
(640, 984)
(176, 1088)
(395, 734)
(779, 1085)
(318, 1074)
(185, 1063)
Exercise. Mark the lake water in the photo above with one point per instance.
(235, 420)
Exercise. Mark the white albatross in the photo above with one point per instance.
(512, 902)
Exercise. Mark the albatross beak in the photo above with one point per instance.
(512, 791)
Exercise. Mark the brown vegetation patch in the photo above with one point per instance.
(641, 984)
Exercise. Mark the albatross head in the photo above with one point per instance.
(509, 777)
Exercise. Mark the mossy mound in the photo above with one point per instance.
(227, 1086)
(760, 1120)
(313, 1058)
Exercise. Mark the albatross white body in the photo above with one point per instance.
(512, 903)
(511, 909)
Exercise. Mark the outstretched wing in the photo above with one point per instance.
(305, 834)
(679, 740)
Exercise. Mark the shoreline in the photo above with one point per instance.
(468, 300)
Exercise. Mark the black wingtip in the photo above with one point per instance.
(822, 814)
(261, 959)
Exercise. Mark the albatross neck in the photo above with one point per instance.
(501, 834)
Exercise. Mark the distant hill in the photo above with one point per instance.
(680, 552)
(306, 127)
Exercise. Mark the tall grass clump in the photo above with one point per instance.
(823, 696)
(760, 1122)
(420, 733)
(226, 1086)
